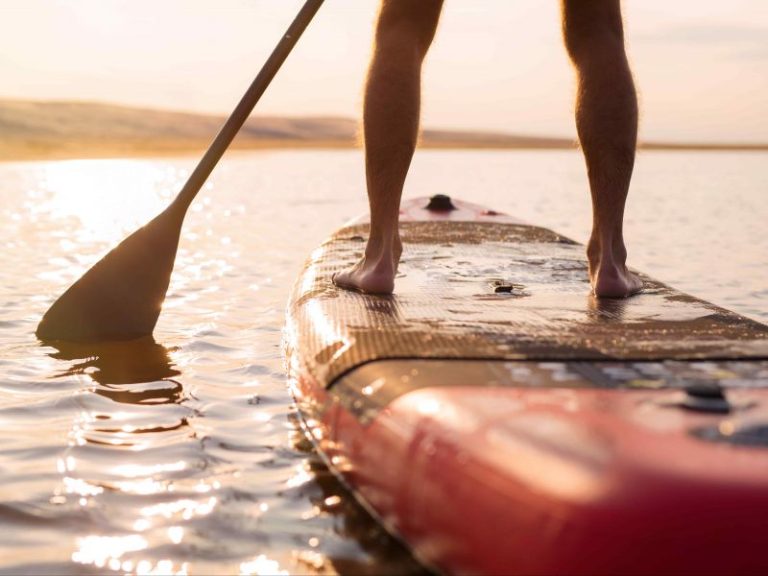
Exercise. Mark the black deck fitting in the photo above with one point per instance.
(440, 203)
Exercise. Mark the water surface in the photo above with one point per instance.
(180, 454)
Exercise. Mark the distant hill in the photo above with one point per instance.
(34, 129)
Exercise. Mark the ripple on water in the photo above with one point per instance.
(209, 347)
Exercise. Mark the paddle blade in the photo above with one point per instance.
(120, 297)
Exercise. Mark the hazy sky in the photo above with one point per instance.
(701, 66)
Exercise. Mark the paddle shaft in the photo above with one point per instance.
(245, 106)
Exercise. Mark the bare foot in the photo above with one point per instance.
(615, 282)
(374, 273)
(608, 274)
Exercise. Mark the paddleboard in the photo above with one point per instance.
(500, 420)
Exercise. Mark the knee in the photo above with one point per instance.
(408, 24)
(592, 29)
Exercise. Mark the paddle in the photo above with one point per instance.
(120, 297)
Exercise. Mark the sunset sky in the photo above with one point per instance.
(701, 67)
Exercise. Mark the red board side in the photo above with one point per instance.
(588, 488)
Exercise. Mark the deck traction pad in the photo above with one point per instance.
(446, 306)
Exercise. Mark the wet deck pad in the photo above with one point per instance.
(469, 290)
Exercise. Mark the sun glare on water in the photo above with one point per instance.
(110, 198)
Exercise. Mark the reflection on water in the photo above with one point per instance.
(137, 373)
(605, 310)
(181, 454)
(124, 362)
(384, 556)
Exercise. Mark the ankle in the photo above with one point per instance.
(607, 250)
(379, 247)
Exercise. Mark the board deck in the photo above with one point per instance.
(502, 420)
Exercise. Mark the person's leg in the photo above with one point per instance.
(606, 121)
(404, 32)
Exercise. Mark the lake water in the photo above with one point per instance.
(182, 455)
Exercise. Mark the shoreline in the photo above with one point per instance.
(45, 151)
(58, 130)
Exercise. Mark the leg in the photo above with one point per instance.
(606, 121)
(404, 33)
